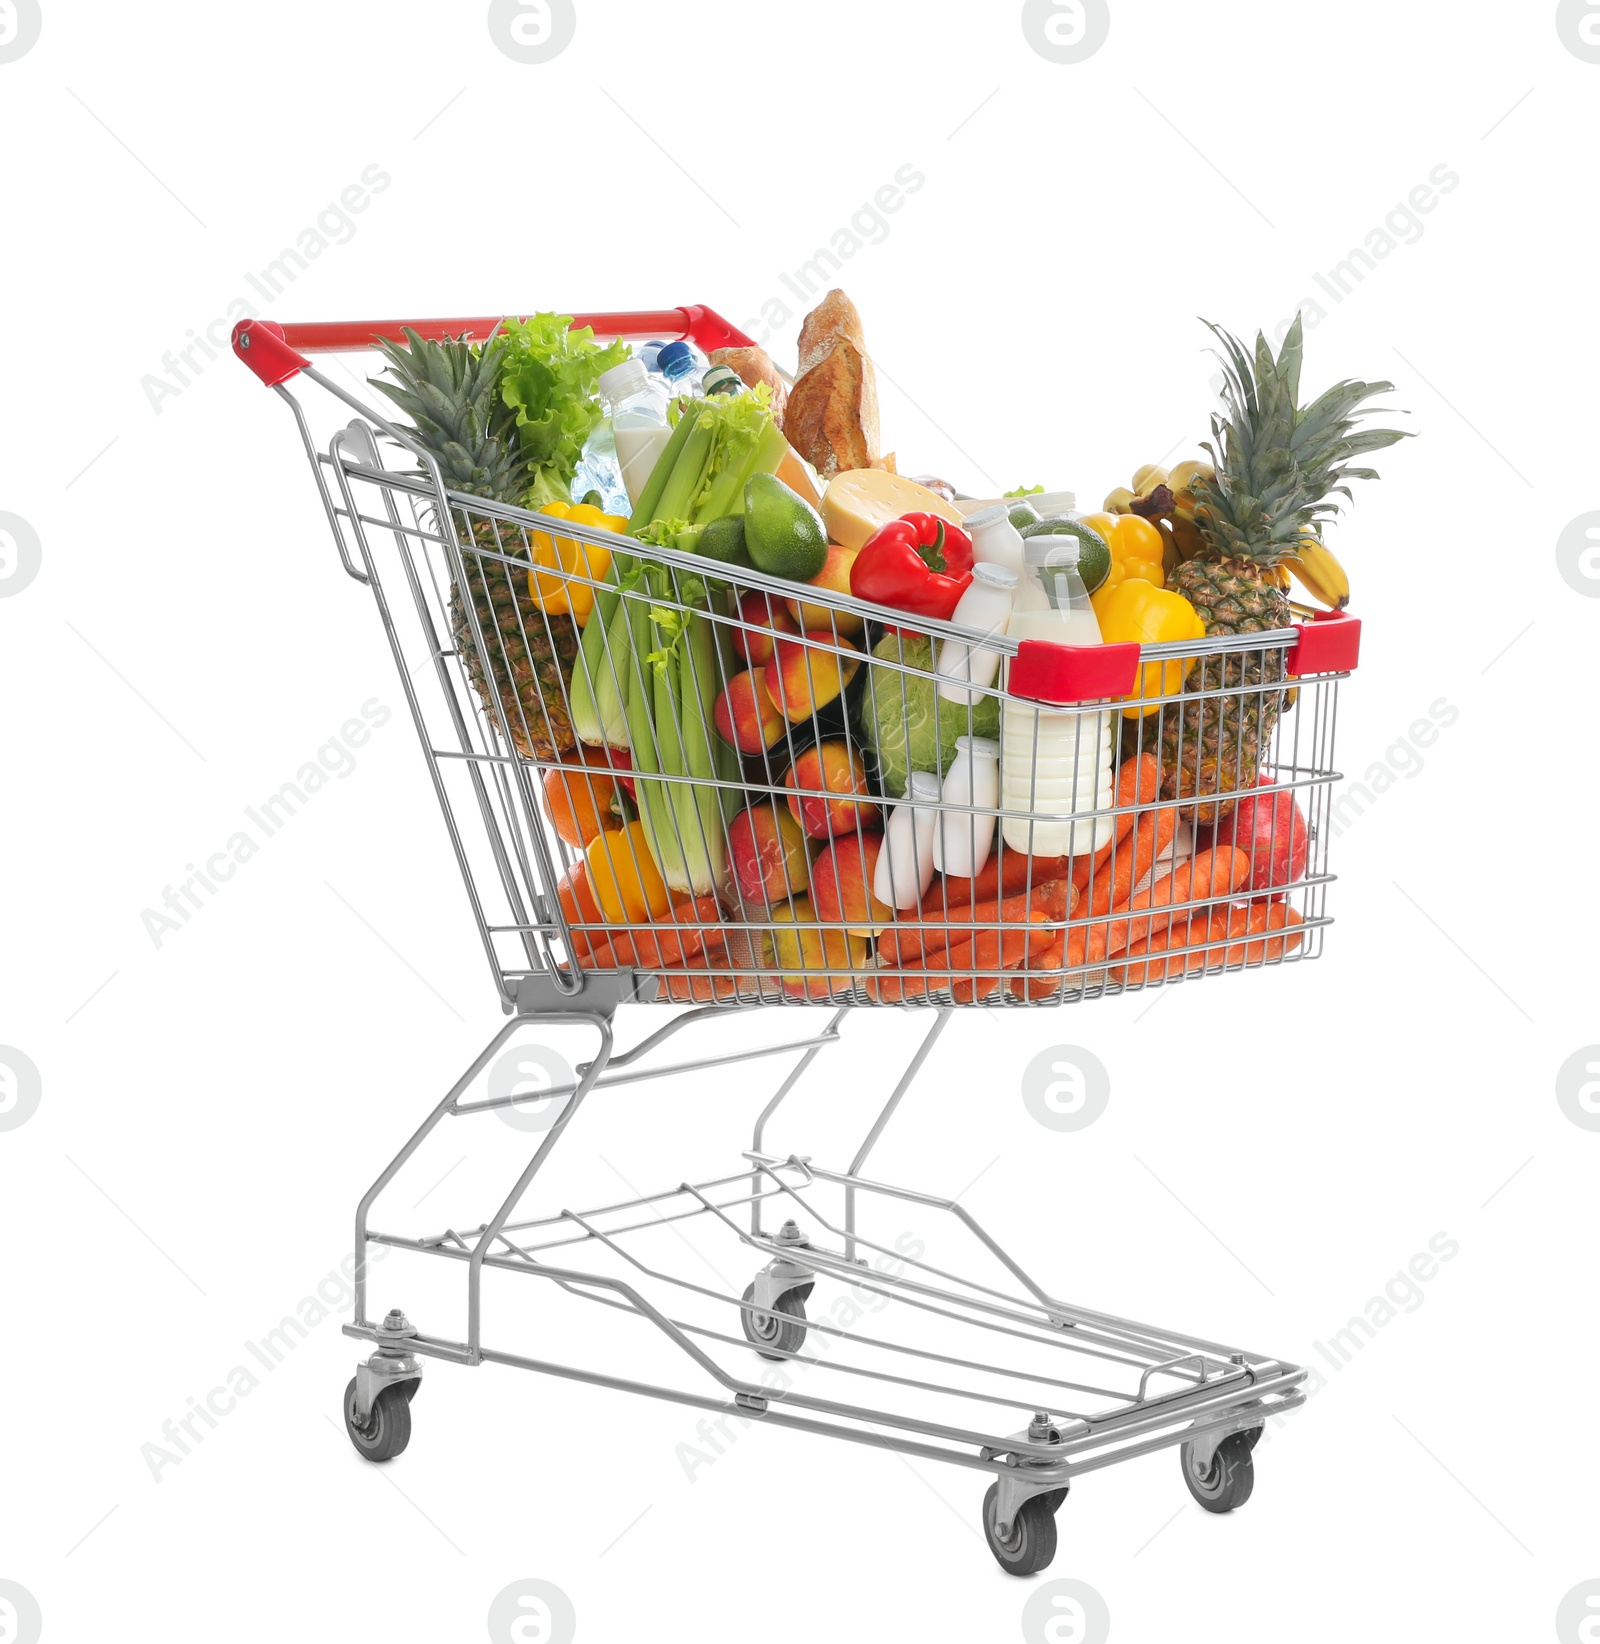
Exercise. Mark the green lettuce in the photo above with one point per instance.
(550, 380)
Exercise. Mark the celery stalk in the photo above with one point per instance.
(706, 847)
(726, 494)
(654, 808)
(611, 666)
(588, 670)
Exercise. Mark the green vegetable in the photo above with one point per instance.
(784, 533)
(1022, 514)
(906, 723)
(717, 445)
(610, 669)
(591, 659)
(1024, 491)
(550, 381)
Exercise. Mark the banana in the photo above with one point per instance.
(1146, 479)
(1117, 501)
(1317, 569)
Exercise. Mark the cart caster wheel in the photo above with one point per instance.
(1053, 1498)
(775, 1338)
(1032, 1542)
(1231, 1477)
(387, 1430)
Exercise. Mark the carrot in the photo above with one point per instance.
(688, 983)
(987, 950)
(1216, 938)
(1137, 780)
(650, 948)
(1213, 873)
(908, 940)
(1006, 873)
(1012, 949)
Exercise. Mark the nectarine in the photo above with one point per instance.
(812, 962)
(832, 767)
(767, 852)
(764, 615)
(841, 885)
(808, 673)
(745, 715)
(834, 577)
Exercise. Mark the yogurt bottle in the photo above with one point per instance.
(985, 605)
(905, 863)
(965, 837)
(995, 540)
(638, 422)
(1056, 762)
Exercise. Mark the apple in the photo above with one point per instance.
(812, 962)
(763, 617)
(831, 767)
(1271, 827)
(768, 854)
(833, 578)
(841, 885)
(808, 673)
(745, 715)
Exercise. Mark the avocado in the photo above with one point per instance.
(723, 539)
(782, 531)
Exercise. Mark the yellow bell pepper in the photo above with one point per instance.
(1137, 549)
(553, 590)
(1138, 611)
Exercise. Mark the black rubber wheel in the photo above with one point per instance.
(1032, 1542)
(774, 1338)
(1231, 1477)
(387, 1430)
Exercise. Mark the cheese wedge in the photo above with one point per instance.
(860, 501)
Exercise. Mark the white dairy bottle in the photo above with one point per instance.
(1055, 763)
(638, 422)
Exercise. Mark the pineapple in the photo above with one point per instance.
(1278, 466)
(451, 392)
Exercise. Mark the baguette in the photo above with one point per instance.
(831, 417)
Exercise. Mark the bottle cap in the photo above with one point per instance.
(622, 380)
(987, 516)
(978, 747)
(1047, 550)
(994, 576)
(722, 379)
(675, 360)
(924, 788)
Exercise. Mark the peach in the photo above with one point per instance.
(746, 715)
(841, 885)
(834, 577)
(768, 854)
(808, 673)
(812, 962)
(764, 617)
(832, 767)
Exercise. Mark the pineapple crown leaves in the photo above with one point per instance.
(1279, 463)
(451, 392)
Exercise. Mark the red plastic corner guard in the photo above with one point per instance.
(261, 345)
(1329, 644)
(1046, 672)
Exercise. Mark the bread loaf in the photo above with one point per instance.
(832, 415)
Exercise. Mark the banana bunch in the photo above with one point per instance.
(1166, 498)
(1317, 569)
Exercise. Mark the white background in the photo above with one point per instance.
(1276, 1148)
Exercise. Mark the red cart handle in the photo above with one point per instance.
(277, 352)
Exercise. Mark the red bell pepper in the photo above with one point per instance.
(917, 563)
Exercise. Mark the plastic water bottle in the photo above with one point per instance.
(638, 424)
(1055, 763)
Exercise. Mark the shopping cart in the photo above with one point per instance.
(750, 880)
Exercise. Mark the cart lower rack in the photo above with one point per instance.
(752, 878)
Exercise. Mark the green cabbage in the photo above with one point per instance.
(898, 719)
